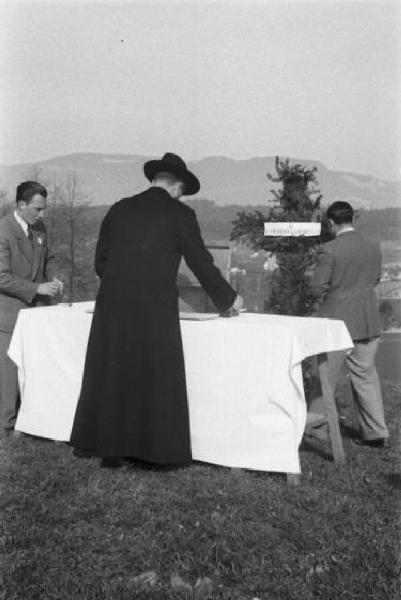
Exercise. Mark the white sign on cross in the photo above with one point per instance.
(292, 229)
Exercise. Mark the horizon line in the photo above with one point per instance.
(211, 156)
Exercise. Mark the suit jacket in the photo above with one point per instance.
(347, 270)
(23, 265)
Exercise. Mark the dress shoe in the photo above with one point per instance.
(147, 466)
(173, 466)
(82, 453)
(111, 462)
(375, 443)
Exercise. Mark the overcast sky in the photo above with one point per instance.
(318, 80)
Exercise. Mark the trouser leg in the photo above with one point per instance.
(366, 389)
(329, 369)
(9, 393)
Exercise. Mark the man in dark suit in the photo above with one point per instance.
(27, 279)
(133, 401)
(348, 268)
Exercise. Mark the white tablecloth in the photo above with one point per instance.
(244, 379)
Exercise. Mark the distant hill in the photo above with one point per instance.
(104, 178)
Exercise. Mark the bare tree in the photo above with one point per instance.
(5, 204)
(34, 173)
(78, 246)
(55, 200)
(71, 187)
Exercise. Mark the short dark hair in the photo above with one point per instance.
(28, 189)
(340, 212)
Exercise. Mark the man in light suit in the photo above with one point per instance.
(27, 279)
(348, 268)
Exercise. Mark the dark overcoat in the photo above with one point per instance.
(133, 400)
(347, 271)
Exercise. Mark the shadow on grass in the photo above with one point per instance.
(393, 479)
(240, 471)
(315, 446)
(348, 431)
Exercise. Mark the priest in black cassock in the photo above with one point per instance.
(133, 400)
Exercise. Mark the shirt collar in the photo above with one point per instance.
(21, 222)
(345, 230)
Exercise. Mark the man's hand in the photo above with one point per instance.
(50, 288)
(60, 285)
(233, 311)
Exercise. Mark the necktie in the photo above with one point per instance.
(30, 234)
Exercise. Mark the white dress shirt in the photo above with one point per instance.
(350, 228)
(22, 223)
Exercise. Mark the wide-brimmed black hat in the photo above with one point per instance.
(172, 163)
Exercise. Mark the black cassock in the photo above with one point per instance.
(133, 400)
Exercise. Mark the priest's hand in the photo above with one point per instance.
(234, 310)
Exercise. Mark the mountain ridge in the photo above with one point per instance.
(105, 177)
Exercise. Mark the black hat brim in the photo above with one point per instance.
(191, 183)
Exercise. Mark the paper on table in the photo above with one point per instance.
(189, 316)
(196, 316)
(186, 316)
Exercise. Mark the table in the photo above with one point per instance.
(245, 392)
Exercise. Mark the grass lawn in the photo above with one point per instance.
(72, 531)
